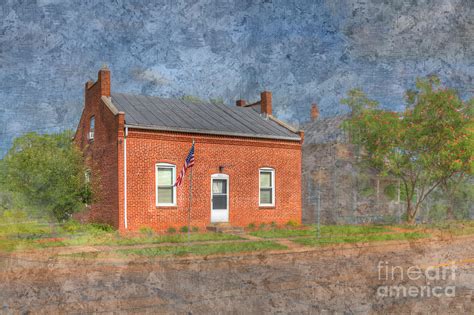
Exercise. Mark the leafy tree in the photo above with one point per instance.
(458, 196)
(424, 146)
(48, 171)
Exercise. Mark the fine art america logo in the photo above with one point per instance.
(434, 281)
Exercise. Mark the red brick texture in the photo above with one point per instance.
(240, 158)
(266, 102)
(101, 153)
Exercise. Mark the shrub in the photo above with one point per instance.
(100, 227)
(195, 229)
(171, 230)
(146, 230)
(184, 229)
(292, 223)
(273, 224)
(251, 226)
(262, 226)
(72, 226)
(48, 172)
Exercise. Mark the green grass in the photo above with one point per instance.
(313, 241)
(204, 249)
(326, 230)
(115, 240)
(200, 249)
(26, 236)
(453, 227)
(110, 239)
(24, 230)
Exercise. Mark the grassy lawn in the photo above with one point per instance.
(37, 235)
(15, 237)
(326, 230)
(452, 227)
(199, 249)
(113, 239)
(313, 241)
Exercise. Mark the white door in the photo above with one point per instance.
(219, 198)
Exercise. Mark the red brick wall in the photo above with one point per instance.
(101, 153)
(241, 159)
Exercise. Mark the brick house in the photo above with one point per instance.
(247, 169)
(347, 193)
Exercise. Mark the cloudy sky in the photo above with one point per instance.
(303, 51)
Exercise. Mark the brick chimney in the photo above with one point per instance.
(241, 103)
(104, 81)
(314, 112)
(266, 102)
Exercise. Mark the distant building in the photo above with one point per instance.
(348, 194)
(247, 163)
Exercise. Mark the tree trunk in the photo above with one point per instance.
(449, 198)
(411, 216)
(411, 213)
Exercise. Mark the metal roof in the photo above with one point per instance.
(152, 112)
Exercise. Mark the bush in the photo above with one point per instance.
(48, 171)
(292, 223)
(146, 230)
(99, 227)
(195, 229)
(171, 230)
(273, 225)
(72, 226)
(184, 229)
(391, 191)
(251, 226)
(262, 226)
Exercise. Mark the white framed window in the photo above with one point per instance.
(266, 194)
(87, 175)
(91, 128)
(165, 191)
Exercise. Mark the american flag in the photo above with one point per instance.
(189, 162)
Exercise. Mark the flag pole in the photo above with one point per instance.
(190, 201)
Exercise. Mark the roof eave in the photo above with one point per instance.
(212, 132)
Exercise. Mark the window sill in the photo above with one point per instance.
(166, 207)
(266, 206)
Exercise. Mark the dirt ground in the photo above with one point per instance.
(331, 280)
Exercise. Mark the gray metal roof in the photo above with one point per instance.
(325, 130)
(152, 112)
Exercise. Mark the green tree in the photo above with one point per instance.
(458, 194)
(424, 146)
(48, 171)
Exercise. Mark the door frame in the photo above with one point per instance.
(226, 177)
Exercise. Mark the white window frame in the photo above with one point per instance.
(87, 176)
(272, 171)
(173, 167)
(91, 133)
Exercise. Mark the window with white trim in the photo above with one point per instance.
(165, 178)
(91, 128)
(267, 187)
(87, 176)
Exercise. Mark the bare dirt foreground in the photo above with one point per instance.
(354, 279)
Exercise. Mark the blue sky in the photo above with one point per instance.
(303, 51)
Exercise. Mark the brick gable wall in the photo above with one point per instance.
(102, 153)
